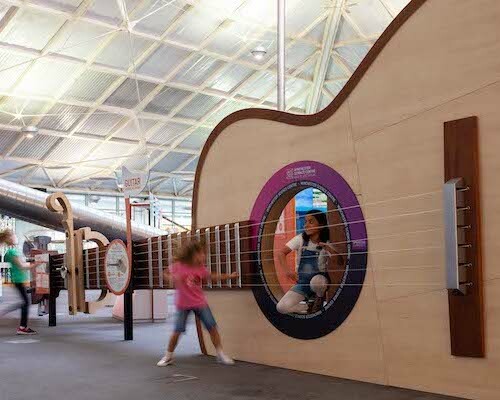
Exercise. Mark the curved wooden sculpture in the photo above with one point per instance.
(59, 203)
(74, 264)
(384, 134)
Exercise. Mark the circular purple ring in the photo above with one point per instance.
(325, 176)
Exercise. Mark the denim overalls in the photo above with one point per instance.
(308, 268)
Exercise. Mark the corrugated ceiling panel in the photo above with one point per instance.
(225, 8)
(47, 77)
(19, 175)
(317, 32)
(353, 55)
(57, 173)
(198, 70)
(198, 107)
(167, 186)
(64, 5)
(118, 52)
(130, 93)
(170, 162)
(345, 32)
(195, 26)
(62, 117)
(83, 171)
(90, 86)
(32, 29)
(293, 88)
(72, 149)
(38, 178)
(100, 123)
(261, 86)
(80, 39)
(229, 78)
(109, 150)
(233, 38)
(299, 16)
(85, 184)
(260, 13)
(135, 130)
(166, 100)
(371, 16)
(335, 87)
(298, 103)
(335, 71)
(109, 11)
(7, 139)
(308, 72)
(3, 10)
(298, 53)
(163, 61)
(140, 162)
(398, 5)
(197, 139)
(191, 167)
(12, 66)
(168, 132)
(155, 16)
(324, 101)
(108, 184)
(7, 165)
(35, 148)
(228, 108)
(23, 107)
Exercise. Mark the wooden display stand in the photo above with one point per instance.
(143, 309)
(73, 270)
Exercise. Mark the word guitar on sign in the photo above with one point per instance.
(133, 183)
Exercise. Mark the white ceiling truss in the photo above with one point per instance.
(141, 83)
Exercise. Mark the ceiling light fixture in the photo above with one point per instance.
(259, 53)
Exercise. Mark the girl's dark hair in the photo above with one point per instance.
(324, 232)
(4, 235)
(185, 254)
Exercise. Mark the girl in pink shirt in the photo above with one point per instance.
(187, 275)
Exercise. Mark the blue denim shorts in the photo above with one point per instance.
(303, 286)
(204, 314)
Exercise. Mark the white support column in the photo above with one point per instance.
(281, 55)
(329, 35)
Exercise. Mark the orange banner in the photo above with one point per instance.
(285, 231)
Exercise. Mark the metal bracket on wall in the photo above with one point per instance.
(455, 209)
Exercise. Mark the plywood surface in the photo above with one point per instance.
(248, 153)
(387, 142)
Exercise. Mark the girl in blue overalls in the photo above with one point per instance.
(314, 250)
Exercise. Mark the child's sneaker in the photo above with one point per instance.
(26, 331)
(316, 305)
(224, 359)
(166, 360)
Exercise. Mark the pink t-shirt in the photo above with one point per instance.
(188, 280)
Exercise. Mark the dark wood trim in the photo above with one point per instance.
(305, 120)
(461, 160)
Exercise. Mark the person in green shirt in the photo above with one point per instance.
(19, 275)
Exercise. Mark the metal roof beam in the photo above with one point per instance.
(329, 35)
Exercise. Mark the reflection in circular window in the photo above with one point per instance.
(308, 253)
(307, 285)
(309, 248)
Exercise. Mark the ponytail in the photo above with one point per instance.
(4, 235)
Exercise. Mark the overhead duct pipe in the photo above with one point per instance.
(28, 205)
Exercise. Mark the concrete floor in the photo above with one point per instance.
(85, 358)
